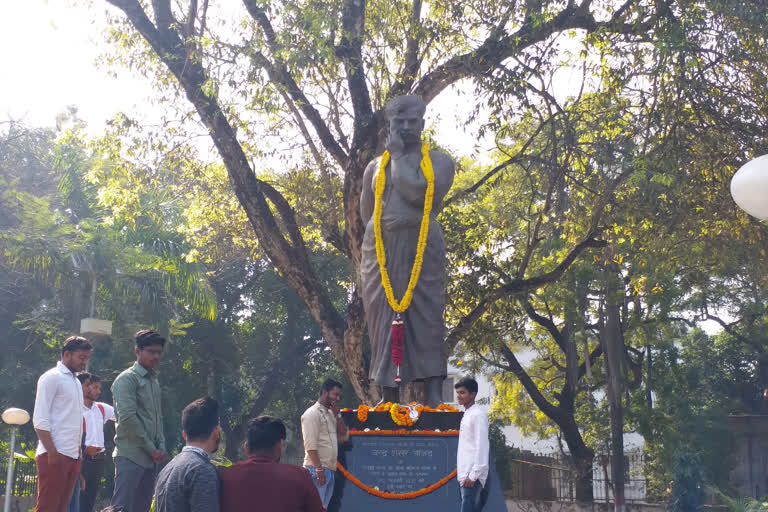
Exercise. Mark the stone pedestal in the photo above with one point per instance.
(404, 462)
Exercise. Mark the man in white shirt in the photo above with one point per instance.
(95, 416)
(58, 422)
(472, 454)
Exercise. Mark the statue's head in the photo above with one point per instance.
(405, 115)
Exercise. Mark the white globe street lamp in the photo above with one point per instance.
(13, 417)
(749, 187)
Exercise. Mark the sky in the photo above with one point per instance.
(49, 55)
(49, 62)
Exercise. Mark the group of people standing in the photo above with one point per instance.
(69, 422)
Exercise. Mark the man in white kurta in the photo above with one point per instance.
(472, 454)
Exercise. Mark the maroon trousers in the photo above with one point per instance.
(55, 483)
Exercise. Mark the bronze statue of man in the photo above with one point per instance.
(402, 211)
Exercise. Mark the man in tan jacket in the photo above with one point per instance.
(322, 429)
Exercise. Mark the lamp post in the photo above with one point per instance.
(749, 187)
(13, 417)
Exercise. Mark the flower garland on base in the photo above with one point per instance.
(403, 415)
(382, 407)
(393, 495)
(403, 432)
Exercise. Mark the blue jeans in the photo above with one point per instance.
(74, 501)
(325, 491)
(471, 498)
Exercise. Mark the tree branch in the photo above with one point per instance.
(517, 158)
(531, 388)
(203, 18)
(191, 16)
(411, 63)
(331, 229)
(517, 286)
(287, 215)
(163, 14)
(534, 283)
(496, 49)
(350, 51)
(548, 324)
(279, 73)
(728, 327)
(292, 261)
(593, 357)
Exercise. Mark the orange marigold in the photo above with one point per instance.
(391, 495)
(383, 407)
(403, 432)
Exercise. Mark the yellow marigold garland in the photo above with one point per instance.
(403, 432)
(381, 182)
(392, 495)
(397, 412)
(401, 414)
(382, 407)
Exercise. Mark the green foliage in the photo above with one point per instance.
(696, 383)
(740, 504)
(228, 323)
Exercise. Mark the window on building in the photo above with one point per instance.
(449, 394)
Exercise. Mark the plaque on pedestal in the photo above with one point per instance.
(404, 469)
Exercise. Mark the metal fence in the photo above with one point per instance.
(553, 477)
(25, 477)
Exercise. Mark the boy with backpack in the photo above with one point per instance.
(95, 416)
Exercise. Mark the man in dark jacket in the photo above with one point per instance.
(261, 482)
(189, 482)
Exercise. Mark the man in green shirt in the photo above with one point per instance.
(139, 439)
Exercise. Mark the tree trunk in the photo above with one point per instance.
(583, 458)
(613, 347)
(649, 376)
(563, 416)
(234, 437)
(584, 481)
(352, 358)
